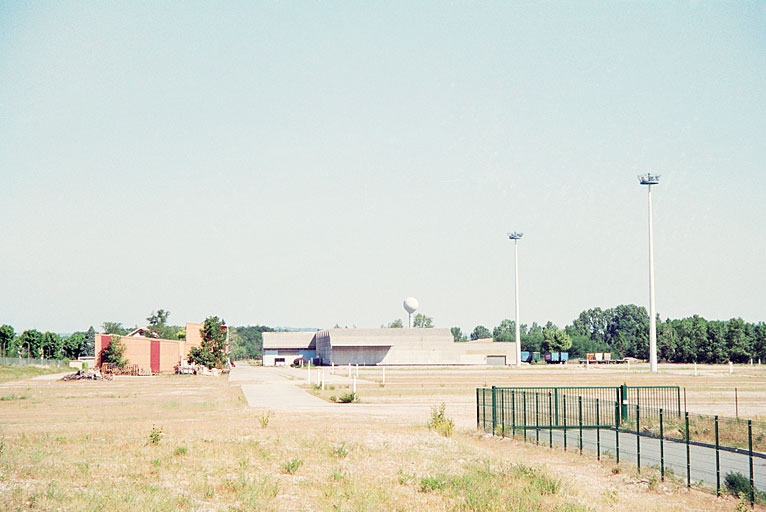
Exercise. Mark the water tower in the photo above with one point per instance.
(410, 306)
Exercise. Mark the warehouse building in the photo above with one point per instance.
(383, 347)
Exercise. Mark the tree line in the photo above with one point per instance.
(33, 344)
(624, 331)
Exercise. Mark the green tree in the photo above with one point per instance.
(114, 328)
(457, 334)
(480, 333)
(7, 335)
(52, 346)
(555, 340)
(32, 341)
(583, 345)
(667, 340)
(592, 323)
(396, 324)
(714, 350)
(628, 331)
(212, 352)
(115, 353)
(158, 323)
(247, 341)
(740, 346)
(73, 345)
(506, 331)
(532, 338)
(89, 346)
(759, 341)
(423, 321)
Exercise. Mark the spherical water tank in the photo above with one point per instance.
(411, 304)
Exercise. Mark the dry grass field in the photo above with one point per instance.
(192, 443)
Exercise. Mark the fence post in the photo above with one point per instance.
(494, 409)
(750, 459)
(513, 412)
(525, 416)
(617, 431)
(579, 417)
(662, 449)
(717, 461)
(624, 402)
(638, 442)
(556, 404)
(565, 421)
(477, 409)
(550, 419)
(688, 461)
(598, 433)
(537, 419)
(502, 410)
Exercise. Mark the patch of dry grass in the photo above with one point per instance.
(191, 443)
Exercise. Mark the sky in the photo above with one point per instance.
(308, 164)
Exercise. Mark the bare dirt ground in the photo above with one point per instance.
(224, 443)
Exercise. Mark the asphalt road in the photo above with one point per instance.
(702, 459)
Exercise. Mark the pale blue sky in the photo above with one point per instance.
(314, 163)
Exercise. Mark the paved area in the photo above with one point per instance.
(276, 388)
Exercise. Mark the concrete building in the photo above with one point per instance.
(283, 348)
(384, 347)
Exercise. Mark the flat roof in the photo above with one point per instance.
(288, 340)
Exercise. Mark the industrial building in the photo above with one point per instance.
(153, 355)
(383, 347)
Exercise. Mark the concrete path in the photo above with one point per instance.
(276, 388)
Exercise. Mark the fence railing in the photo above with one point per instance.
(15, 361)
(705, 449)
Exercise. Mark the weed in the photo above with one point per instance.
(292, 466)
(348, 398)
(440, 422)
(610, 495)
(405, 478)
(155, 436)
(340, 451)
(739, 485)
(433, 483)
(264, 419)
(13, 396)
(181, 450)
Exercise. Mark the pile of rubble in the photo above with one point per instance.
(85, 375)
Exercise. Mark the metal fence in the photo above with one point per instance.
(16, 361)
(702, 449)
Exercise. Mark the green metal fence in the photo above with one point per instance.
(544, 407)
(636, 427)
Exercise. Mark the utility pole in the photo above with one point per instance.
(516, 237)
(649, 180)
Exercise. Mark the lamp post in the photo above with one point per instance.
(515, 237)
(649, 180)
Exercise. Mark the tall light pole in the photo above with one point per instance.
(515, 237)
(649, 180)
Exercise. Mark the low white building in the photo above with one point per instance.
(283, 348)
(384, 347)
